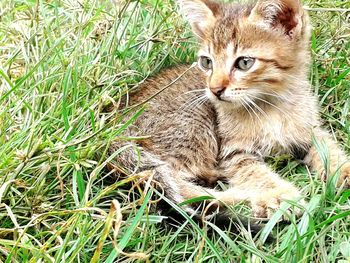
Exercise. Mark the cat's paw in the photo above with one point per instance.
(345, 175)
(269, 201)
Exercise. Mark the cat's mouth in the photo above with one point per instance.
(241, 98)
(235, 96)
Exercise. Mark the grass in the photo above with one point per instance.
(61, 64)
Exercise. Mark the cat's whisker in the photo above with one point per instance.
(199, 102)
(193, 103)
(292, 115)
(258, 107)
(249, 101)
(243, 102)
(191, 96)
(189, 104)
(195, 91)
(274, 94)
(195, 107)
(202, 101)
(271, 104)
(286, 95)
(277, 97)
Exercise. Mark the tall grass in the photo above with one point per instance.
(62, 63)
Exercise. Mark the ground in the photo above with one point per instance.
(62, 63)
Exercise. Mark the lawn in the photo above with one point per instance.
(63, 63)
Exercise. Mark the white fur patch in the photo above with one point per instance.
(230, 56)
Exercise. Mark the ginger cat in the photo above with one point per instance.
(249, 98)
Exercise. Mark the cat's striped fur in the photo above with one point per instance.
(197, 136)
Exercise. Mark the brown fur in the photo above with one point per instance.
(196, 139)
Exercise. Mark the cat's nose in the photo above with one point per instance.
(218, 90)
(218, 82)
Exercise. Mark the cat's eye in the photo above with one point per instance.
(205, 63)
(244, 63)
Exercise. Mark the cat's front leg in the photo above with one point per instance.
(261, 187)
(327, 158)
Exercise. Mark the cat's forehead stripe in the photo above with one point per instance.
(225, 29)
(223, 33)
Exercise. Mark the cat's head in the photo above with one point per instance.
(250, 52)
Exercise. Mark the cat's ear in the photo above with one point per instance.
(201, 14)
(282, 15)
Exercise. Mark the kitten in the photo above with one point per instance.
(250, 98)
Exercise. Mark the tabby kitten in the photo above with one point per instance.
(250, 98)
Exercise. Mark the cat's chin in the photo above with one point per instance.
(227, 103)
